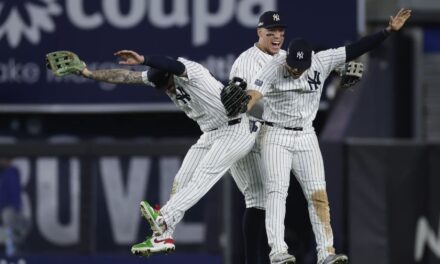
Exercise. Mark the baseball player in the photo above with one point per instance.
(270, 31)
(195, 91)
(291, 85)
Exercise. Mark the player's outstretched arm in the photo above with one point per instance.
(370, 42)
(129, 57)
(397, 22)
(116, 76)
(64, 62)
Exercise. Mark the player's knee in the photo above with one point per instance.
(276, 186)
(319, 201)
(277, 192)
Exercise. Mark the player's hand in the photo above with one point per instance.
(86, 72)
(129, 57)
(397, 22)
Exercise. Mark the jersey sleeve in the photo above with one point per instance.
(264, 79)
(331, 58)
(245, 66)
(194, 70)
(239, 70)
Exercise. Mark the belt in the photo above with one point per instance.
(287, 128)
(230, 123)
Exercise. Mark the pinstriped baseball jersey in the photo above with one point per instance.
(246, 66)
(198, 95)
(294, 102)
(250, 62)
(247, 171)
(222, 144)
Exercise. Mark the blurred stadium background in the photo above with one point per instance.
(87, 153)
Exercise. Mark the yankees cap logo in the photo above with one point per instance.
(270, 19)
(27, 19)
(300, 55)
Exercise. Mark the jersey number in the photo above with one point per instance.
(315, 82)
(182, 95)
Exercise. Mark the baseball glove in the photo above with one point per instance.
(351, 73)
(64, 63)
(234, 97)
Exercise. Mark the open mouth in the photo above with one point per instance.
(276, 44)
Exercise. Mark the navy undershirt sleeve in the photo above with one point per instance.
(365, 44)
(165, 63)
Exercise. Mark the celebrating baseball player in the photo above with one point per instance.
(292, 85)
(194, 90)
(270, 31)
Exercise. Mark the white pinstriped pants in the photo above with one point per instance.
(284, 151)
(248, 176)
(204, 164)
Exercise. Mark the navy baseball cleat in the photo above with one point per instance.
(336, 259)
(282, 258)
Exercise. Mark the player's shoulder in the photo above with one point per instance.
(273, 66)
(250, 54)
(186, 61)
(278, 60)
(191, 65)
(281, 53)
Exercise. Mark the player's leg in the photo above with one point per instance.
(192, 159)
(229, 145)
(247, 173)
(276, 166)
(165, 242)
(308, 167)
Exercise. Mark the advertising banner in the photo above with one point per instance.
(213, 33)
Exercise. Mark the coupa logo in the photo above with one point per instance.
(26, 19)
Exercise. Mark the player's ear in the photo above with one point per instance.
(259, 32)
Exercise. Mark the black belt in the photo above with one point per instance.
(287, 128)
(230, 123)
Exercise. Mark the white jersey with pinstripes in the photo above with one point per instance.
(247, 171)
(247, 65)
(221, 145)
(198, 95)
(294, 102)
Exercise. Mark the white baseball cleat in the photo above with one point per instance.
(336, 259)
(282, 258)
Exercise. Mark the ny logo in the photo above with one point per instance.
(300, 55)
(315, 82)
(276, 17)
(182, 95)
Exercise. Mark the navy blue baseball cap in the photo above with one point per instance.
(270, 19)
(299, 54)
(159, 78)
